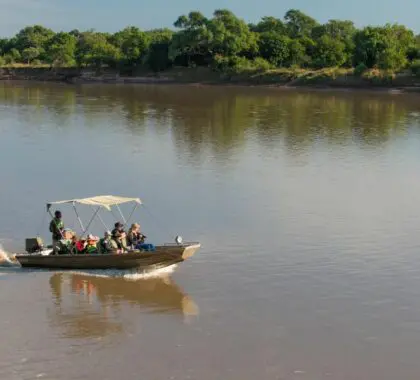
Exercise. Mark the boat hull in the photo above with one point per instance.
(163, 256)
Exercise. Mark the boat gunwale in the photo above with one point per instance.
(170, 246)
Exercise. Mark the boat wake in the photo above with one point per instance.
(127, 275)
(6, 259)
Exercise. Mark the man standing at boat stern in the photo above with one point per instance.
(56, 228)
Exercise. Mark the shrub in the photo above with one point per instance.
(379, 76)
(240, 64)
(415, 67)
(8, 59)
(261, 64)
(221, 63)
(360, 69)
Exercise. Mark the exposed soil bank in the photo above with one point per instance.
(285, 78)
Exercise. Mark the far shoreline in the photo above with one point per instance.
(283, 80)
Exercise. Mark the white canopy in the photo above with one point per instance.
(105, 201)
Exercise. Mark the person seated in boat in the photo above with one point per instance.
(105, 244)
(68, 234)
(63, 247)
(92, 244)
(56, 228)
(118, 226)
(119, 241)
(135, 236)
(80, 246)
(119, 231)
(74, 241)
(136, 239)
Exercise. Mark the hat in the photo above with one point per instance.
(92, 238)
(107, 233)
(135, 225)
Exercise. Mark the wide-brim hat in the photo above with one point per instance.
(92, 238)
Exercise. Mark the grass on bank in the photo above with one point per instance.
(260, 71)
(25, 66)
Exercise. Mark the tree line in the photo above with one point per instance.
(223, 41)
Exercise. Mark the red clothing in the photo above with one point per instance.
(80, 246)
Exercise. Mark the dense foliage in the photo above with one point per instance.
(223, 41)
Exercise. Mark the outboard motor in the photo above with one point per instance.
(33, 245)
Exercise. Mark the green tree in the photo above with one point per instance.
(329, 52)
(274, 47)
(62, 50)
(94, 49)
(12, 56)
(386, 47)
(35, 36)
(338, 30)
(133, 44)
(159, 35)
(231, 35)
(158, 53)
(191, 42)
(310, 47)
(4, 42)
(370, 43)
(30, 53)
(158, 56)
(296, 53)
(270, 25)
(299, 24)
(414, 52)
(75, 33)
(224, 40)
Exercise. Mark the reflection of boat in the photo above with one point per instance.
(159, 293)
(162, 256)
(85, 318)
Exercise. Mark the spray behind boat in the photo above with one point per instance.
(7, 259)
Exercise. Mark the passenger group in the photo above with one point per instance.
(116, 241)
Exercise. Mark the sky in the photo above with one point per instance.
(110, 16)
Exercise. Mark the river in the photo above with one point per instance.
(306, 203)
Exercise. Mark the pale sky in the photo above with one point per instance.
(110, 16)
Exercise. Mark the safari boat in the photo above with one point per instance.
(164, 255)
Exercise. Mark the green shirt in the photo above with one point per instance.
(91, 249)
(56, 227)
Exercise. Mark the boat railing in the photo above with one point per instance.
(184, 244)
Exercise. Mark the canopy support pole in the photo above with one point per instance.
(78, 217)
(132, 212)
(102, 221)
(122, 216)
(113, 214)
(91, 220)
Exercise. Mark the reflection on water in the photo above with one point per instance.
(306, 205)
(219, 119)
(89, 306)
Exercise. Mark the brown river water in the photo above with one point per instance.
(306, 203)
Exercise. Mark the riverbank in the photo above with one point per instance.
(286, 78)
